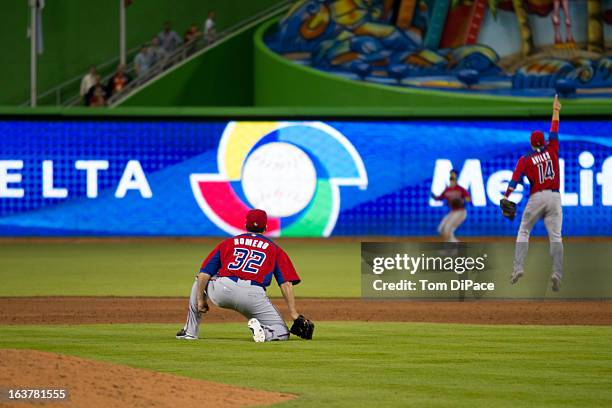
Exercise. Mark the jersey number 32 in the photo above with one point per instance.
(545, 171)
(247, 260)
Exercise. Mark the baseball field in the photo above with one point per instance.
(382, 203)
(95, 316)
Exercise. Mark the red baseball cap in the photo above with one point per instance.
(256, 219)
(537, 138)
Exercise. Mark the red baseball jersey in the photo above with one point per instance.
(540, 166)
(451, 193)
(251, 257)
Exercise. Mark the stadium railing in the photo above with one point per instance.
(193, 49)
(67, 93)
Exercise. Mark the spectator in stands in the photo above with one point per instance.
(98, 98)
(143, 60)
(191, 34)
(118, 81)
(210, 30)
(88, 81)
(168, 38)
(157, 51)
(97, 94)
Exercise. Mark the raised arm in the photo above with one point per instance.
(553, 139)
(554, 125)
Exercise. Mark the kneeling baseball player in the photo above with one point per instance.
(235, 276)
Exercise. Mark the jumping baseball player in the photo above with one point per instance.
(541, 167)
(455, 196)
(235, 276)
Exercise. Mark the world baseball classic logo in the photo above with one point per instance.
(293, 170)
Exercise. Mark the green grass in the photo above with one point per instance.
(328, 268)
(360, 364)
(158, 268)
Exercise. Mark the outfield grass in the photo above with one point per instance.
(329, 268)
(365, 364)
(158, 268)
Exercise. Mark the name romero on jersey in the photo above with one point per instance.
(255, 243)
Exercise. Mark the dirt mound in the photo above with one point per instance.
(97, 384)
(77, 310)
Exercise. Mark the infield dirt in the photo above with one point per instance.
(98, 384)
(90, 310)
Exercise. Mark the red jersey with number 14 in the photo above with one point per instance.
(540, 166)
(250, 257)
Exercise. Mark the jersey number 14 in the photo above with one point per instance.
(545, 171)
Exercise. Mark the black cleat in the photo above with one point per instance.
(183, 335)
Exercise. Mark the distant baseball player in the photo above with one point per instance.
(541, 167)
(456, 197)
(235, 276)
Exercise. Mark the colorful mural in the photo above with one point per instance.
(502, 47)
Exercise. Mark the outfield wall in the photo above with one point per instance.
(243, 71)
(282, 82)
(180, 176)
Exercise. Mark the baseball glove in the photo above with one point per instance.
(302, 327)
(508, 208)
(456, 203)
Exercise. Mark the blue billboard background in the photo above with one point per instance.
(378, 174)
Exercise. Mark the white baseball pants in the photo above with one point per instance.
(249, 300)
(450, 223)
(544, 205)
